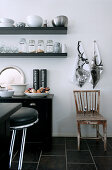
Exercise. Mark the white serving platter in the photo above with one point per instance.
(36, 94)
(11, 75)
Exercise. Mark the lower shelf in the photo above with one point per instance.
(33, 55)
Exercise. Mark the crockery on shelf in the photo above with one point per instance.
(20, 24)
(6, 24)
(60, 21)
(18, 89)
(34, 21)
(6, 93)
(64, 48)
(11, 75)
(40, 90)
(6, 20)
(57, 47)
(45, 23)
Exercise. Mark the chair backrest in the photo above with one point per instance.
(87, 101)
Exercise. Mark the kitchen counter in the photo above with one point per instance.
(6, 109)
(41, 133)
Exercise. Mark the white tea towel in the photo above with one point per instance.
(96, 66)
(83, 69)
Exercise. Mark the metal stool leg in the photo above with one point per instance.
(22, 149)
(12, 147)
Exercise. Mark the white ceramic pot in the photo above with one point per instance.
(34, 21)
(18, 89)
(6, 93)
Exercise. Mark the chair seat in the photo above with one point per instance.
(90, 117)
(23, 117)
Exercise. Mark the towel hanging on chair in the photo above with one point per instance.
(96, 66)
(83, 69)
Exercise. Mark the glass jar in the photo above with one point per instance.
(49, 46)
(40, 48)
(22, 45)
(57, 47)
(32, 48)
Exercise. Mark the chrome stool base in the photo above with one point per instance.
(14, 129)
(21, 150)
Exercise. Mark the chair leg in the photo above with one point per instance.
(12, 147)
(105, 135)
(22, 149)
(97, 131)
(79, 134)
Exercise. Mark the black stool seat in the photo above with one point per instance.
(23, 117)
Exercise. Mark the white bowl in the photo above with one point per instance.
(6, 93)
(6, 20)
(34, 21)
(18, 89)
(37, 94)
(6, 24)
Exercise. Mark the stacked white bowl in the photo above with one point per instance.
(34, 21)
(6, 93)
(6, 22)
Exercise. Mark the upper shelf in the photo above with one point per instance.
(33, 55)
(33, 30)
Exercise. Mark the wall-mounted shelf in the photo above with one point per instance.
(33, 55)
(33, 30)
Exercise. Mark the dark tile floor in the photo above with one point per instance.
(65, 156)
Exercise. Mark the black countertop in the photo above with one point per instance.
(6, 109)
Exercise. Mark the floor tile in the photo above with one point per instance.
(58, 140)
(72, 145)
(26, 166)
(56, 150)
(31, 153)
(81, 167)
(98, 150)
(109, 139)
(55, 159)
(52, 163)
(79, 157)
(71, 138)
(103, 163)
(94, 142)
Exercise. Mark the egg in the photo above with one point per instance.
(33, 91)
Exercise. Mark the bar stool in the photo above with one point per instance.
(21, 120)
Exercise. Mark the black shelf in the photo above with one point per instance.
(33, 30)
(33, 55)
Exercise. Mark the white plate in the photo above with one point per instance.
(36, 94)
(11, 75)
(6, 25)
(6, 20)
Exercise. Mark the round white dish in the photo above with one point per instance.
(18, 89)
(34, 21)
(6, 20)
(6, 93)
(11, 75)
(36, 94)
(6, 25)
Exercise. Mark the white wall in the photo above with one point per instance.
(88, 20)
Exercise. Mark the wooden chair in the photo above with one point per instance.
(87, 112)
